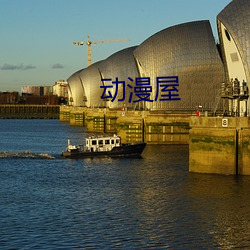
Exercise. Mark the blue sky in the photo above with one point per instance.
(36, 35)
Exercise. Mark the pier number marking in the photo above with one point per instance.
(224, 123)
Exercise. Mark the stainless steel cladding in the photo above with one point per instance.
(91, 82)
(235, 18)
(188, 51)
(76, 91)
(84, 85)
(234, 33)
(120, 65)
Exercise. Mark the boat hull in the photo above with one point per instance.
(126, 150)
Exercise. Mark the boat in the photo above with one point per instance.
(101, 146)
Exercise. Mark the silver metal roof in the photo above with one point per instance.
(189, 52)
(91, 81)
(236, 18)
(77, 94)
(120, 65)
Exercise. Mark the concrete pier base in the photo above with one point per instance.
(94, 120)
(167, 129)
(219, 145)
(64, 114)
(132, 126)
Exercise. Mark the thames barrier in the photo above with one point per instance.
(154, 90)
(132, 126)
(179, 86)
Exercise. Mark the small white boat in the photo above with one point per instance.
(103, 146)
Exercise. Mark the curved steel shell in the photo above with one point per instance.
(236, 18)
(188, 51)
(120, 65)
(234, 32)
(91, 81)
(76, 91)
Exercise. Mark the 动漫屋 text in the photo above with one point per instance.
(166, 89)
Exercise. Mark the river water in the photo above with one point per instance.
(149, 203)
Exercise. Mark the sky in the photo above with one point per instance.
(36, 35)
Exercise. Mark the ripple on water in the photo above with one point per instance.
(145, 203)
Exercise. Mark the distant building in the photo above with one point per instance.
(40, 100)
(9, 97)
(37, 90)
(60, 89)
(38, 95)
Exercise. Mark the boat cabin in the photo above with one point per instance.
(102, 143)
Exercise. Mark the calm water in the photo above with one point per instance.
(148, 203)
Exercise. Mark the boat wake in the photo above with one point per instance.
(26, 154)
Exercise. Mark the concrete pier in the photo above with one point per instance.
(219, 145)
(132, 126)
(64, 114)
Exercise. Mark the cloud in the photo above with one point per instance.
(21, 66)
(29, 67)
(57, 66)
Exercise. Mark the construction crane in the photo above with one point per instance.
(89, 43)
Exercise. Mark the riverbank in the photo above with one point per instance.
(25, 111)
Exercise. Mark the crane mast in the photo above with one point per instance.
(89, 43)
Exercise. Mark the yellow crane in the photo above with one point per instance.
(89, 43)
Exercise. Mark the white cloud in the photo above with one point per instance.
(57, 66)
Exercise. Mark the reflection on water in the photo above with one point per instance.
(224, 201)
(107, 203)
